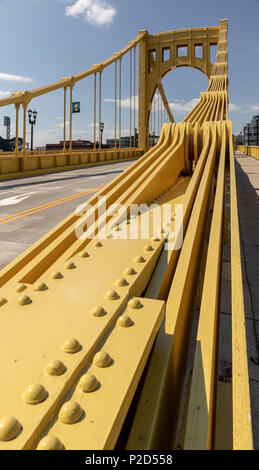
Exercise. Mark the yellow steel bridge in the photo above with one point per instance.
(98, 331)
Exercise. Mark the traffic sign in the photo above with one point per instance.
(76, 107)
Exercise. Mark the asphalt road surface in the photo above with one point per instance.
(30, 207)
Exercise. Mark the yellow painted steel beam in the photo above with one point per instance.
(73, 380)
(164, 98)
(201, 412)
(31, 311)
(159, 406)
(161, 280)
(105, 409)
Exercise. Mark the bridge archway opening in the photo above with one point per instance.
(182, 89)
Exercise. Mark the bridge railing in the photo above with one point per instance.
(13, 166)
(251, 150)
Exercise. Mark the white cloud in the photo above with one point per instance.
(178, 106)
(97, 12)
(234, 107)
(244, 108)
(14, 78)
(4, 94)
(183, 107)
(61, 125)
(125, 102)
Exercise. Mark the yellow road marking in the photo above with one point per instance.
(36, 209)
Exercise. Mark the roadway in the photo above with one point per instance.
(30, 207)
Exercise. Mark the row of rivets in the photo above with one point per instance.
(36, 393)
(71, 412)
(25, 299)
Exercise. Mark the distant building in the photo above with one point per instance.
(130, 141)
(126, 142)
(76, 145)
(239, 140)
(8, 145)
(251, 132)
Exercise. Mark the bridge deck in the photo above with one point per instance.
(247, 173)
(30, 207)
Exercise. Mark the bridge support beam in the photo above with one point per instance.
(143, 70)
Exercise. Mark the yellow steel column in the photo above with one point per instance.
(70, 131)
(95, 111)
(120, 109)
(24, 137)
(65, 108)
(142, 109)
(202, 405)
(134, 96)
(130, 92)
(100, 107)
(17, 107)
(115, 110)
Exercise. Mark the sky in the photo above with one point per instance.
(45, 40)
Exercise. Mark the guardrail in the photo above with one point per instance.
(14, 166)
(250, 150)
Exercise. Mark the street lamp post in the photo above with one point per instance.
(101, 125)
(32, 121)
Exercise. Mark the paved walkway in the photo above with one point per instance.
(248, 207)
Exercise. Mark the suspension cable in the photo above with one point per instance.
(120, 110)
(115, 111)
(100, 107)
(130, 92)
(95, 111)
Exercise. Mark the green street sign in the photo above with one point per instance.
(76, 107)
